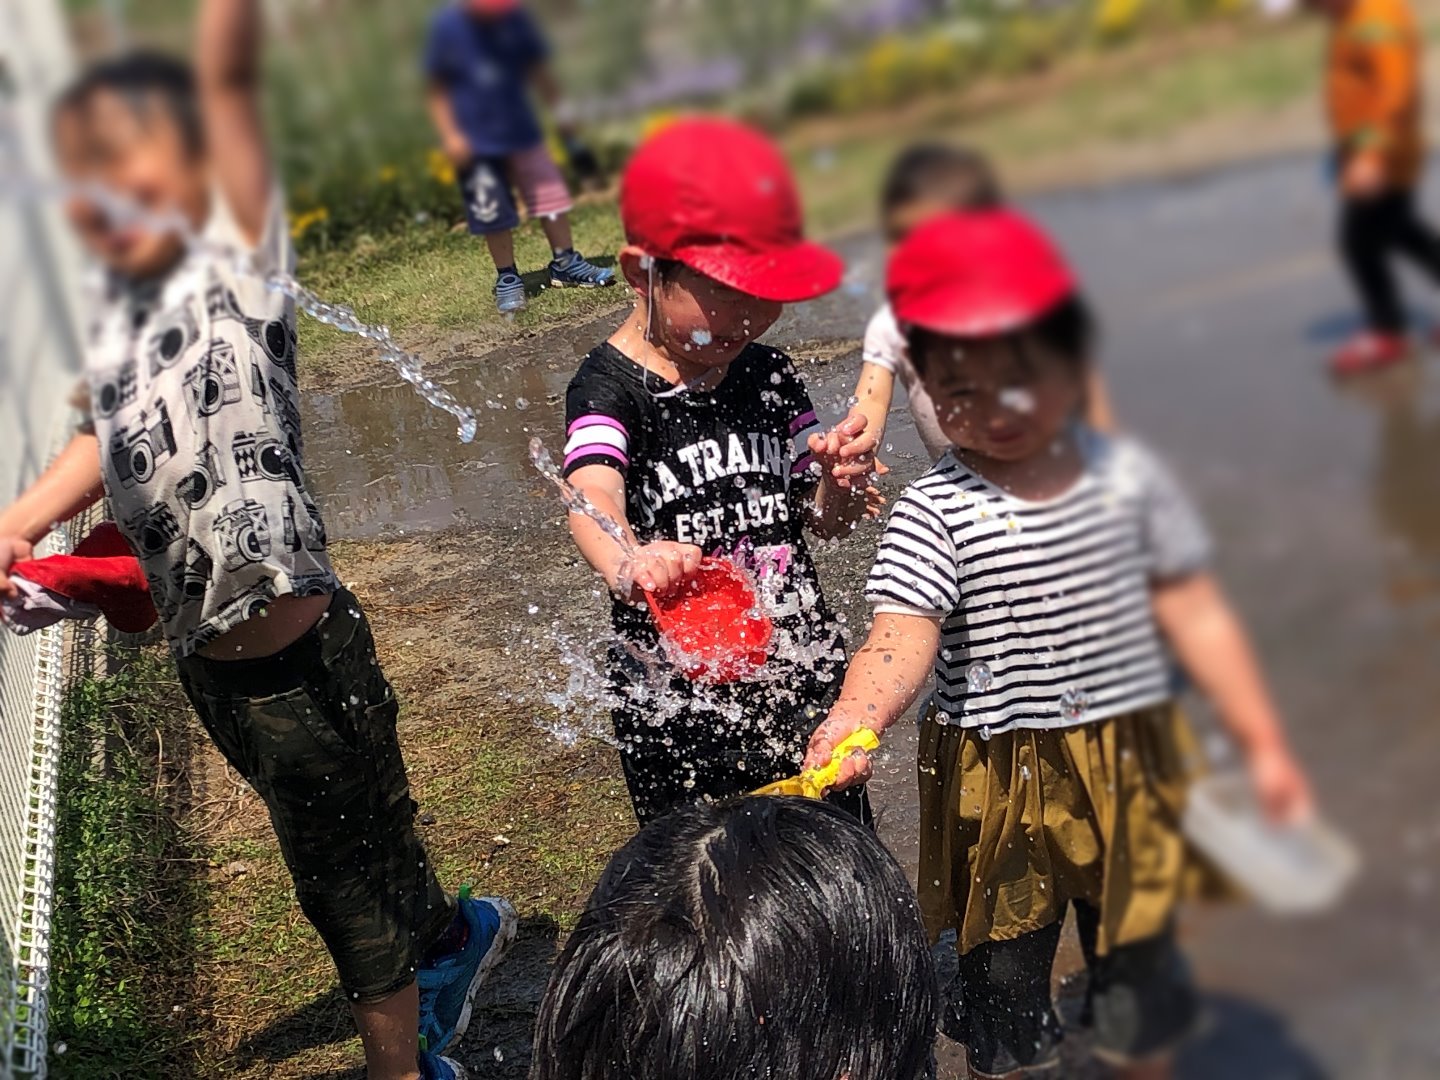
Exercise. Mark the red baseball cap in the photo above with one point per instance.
(493, 7)
(976, 274)
(717, 196)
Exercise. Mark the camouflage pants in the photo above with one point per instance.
(313, 731)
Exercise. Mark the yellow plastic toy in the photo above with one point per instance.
(813, 783)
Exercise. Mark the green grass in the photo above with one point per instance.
(1086, 102)
(433, 285)
(128, 897)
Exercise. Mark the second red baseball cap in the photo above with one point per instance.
(717, 196)
(976, 274)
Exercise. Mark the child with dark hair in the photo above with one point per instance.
(760, 937)
(483, 58)
(1038, 570)
(194, 436)
(698, 440)
(924, 181)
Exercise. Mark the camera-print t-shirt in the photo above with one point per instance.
(193, 398)
(725, 469)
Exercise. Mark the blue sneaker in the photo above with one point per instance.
(572, 271)
(448, 987)
(435, 1067)
(510, 294)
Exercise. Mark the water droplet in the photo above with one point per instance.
(1018, 399)
(978, 677)
(534, 609)
(522, 404)
(1024, 772)
(701, 337)
(776, 378)
(499, 1054)
(984, 734)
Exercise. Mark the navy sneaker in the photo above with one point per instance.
(435, 1067)
(510, 293)
(572, 271)
(448, 986)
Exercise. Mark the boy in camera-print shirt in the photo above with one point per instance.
(194, 401)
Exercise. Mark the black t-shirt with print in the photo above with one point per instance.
(725, 469)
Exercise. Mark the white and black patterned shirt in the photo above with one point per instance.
(1046, 605)
(194, 400)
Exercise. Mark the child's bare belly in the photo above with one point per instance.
(283, 623)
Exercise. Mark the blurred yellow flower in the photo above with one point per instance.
(656, 122)
(300, 224)
(440, 168)
(387, 174)
(556, 145)
(1114, 18)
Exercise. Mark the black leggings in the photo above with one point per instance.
(1371, 230)
(1139, 1002)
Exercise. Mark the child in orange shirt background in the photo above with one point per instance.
(1373, 95)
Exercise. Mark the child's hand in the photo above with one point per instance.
(834, 730)
(1364, 176)
(457, 149)
(660, 567)
(12, 550)
(845, 452)
(1281, 786)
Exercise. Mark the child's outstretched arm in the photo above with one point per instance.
(71, 484)
(873, 395)
(884, 679)
(227, 81)
(657, 567)
(846, 457)
(1212, 646)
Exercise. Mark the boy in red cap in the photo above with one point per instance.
(482, 58)
(1039, 570)
(700, 441)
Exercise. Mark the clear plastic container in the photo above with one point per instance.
(1288, 869)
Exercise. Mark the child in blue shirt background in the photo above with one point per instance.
(482, 59)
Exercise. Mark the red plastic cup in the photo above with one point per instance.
(711, 624)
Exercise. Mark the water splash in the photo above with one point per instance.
(123, 212)
(576, 501)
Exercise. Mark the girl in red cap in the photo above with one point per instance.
(700, 441)
(1040, 569)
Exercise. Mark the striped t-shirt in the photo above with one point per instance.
(1046, 605)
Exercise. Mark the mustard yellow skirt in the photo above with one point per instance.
(1015, 827)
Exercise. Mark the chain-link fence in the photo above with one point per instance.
(39, 361)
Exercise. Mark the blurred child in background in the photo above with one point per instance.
(483, 58)
(194, 435)
(924, 181)
(698, 440)
(758, 938)
(1373, 90)
(1039, 569)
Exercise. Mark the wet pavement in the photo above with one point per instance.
(1219, 299)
